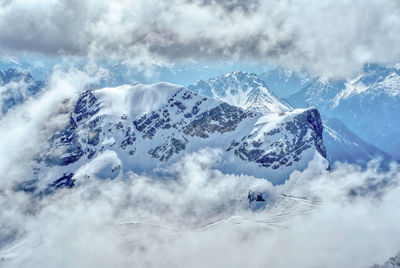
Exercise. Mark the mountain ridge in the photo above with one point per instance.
(103, 132)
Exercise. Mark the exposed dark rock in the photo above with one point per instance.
(68, 140)
(65, 181)
(26, 186)
(129, 139)
(222, 118)
(86, 106)
(165, 151)
(255, 196)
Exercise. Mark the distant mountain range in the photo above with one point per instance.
(368, 105)
(239, 88)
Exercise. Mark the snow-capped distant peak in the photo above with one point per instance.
(388, 84)
(243, 90)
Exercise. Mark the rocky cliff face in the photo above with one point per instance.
(143, 128)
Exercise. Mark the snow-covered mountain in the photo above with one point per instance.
(345, 146)
(319, 92)
(145, 128)
(16, 87)
(284, 83)
(241, 89)
(368, 105)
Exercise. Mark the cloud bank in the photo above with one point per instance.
(329, 37)
(198, 216)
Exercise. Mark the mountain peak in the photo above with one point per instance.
(143, 128)
(241, 89)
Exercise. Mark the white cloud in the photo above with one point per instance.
(329, 37)
(197, 216)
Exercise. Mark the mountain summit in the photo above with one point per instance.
(244, 90)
